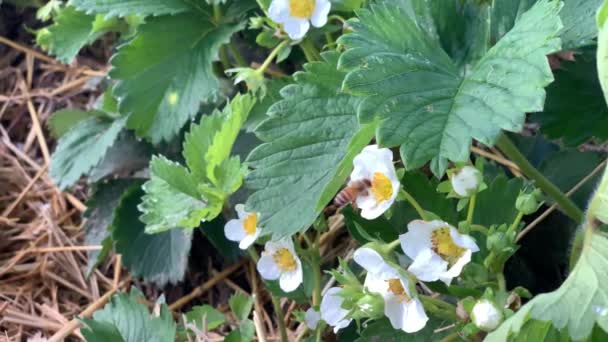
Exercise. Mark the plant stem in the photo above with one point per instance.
(502, 283)
(471, 209)
(275, 301)
(479, 228)
(415, 204)
(515, 223)
(392, 245)
(272, 55)
(510, 150)
(316, 268)
(237, 55)
(310, 51)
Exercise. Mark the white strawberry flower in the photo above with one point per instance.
(312, 318)
(466, 181)
(297, 15)
(439, 251)
(279, 261)
(375, 165)
(243, 229)
(332, 311)
(486, 316)
(404, 310)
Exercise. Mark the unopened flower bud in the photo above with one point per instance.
(486, 316)
(466, 181)
(528, 203)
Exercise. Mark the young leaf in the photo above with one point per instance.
(311, 137)
(122, 8)
(424, 103)
(71, 31)
(158, 258)
(241, 305)
(163, 90)
(575, 109)
(82, 148)
(207, 314)
(124, 318)
(244, 333)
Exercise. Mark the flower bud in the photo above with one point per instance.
(528, 203)
(486, 316)
(466, 181)
(369, 306)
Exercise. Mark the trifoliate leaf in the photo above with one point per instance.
(241, 304)
(100, 214)
(126, 316)
(579, 303)
(158, 258)
(426, 105)
(205, 316)
(71, 31)
(575, 109)
(82, 148)
(62, 120)
(311, 136)
(122, 8)
(163, 90)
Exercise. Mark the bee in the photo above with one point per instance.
(351, 192)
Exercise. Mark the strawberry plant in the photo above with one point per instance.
(461, 143)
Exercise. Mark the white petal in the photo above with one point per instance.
(465, 181)
(331, 309)
(290, 281)
(240, 211)
(375, 284)
(368, 258)
(428, 266)
(296, 28)
(456, 269)
(248, 240)
(234, 230)
(463, 241)
(312, 318)
(267, 268)
(319, 15)
(418, 237)
(394, 310)
(279, 11)
(415, 318)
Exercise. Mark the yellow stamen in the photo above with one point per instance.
(396, 287)
(382, 188)
(250, 223)
(301, 8)
(444, 245)
(285, 260)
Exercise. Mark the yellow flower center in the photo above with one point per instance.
(395, 286)
(444, 245)
(250, 223)
(382, 188)
(301, 8)
(285, 260)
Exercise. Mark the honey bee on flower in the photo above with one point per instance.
(243, 229)
(297, 15)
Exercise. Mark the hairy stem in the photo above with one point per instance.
(272, 55)
(510, 150)
(515, 223)
(471, 209)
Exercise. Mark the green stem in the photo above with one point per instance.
(515, 223)
(471, 209)
(237, 55)
(275, 301)
(423, 214)
(272, 55)
(392, 245)
(310, 51)
(316, 268)
(510, 150)
(479, 228)
(439, 307)
(502, 282)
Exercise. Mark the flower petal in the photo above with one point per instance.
(234, 230)
(248, 240)
(279, 11)
(268, 268)
(240, 211)
(376, 284)
(415, 318)
(394, 310)
(376, 210)
(312, 318)
(466, 181)
(368, 258)
(463, 241)
(296, 28)
(456, 269)
(319, 16)
(290, 281)
(428, 266)
(331, 309)
(418, 237)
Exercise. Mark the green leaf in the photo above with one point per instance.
(122, 8)
(244, 333)
(259, 110)
(365, 231)
(241, 304)
(126, 156)
(71, 31)
(311, 137)
(382, 330)
(63, 120)
(579, 303)
(425, 104)
(578, 17)
(210, 316)
(163, 90)
(575, 110)
(82, 148)
(346, 5)
(496, 204)
(158, 258)
(602, 48)
(131, 320)
(100, 214)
